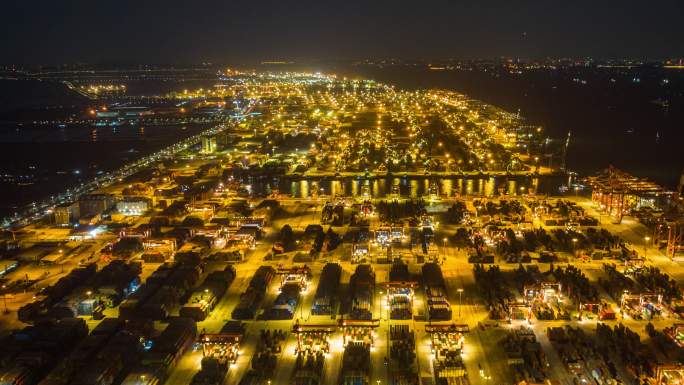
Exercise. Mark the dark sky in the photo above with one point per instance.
(171, 31)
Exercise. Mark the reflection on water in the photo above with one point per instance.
(407, 187)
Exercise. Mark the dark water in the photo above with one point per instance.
(37, 97)
(39, 160)
(48, 163)
(637, 126)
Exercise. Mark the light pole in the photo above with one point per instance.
(460, 295)
(301, 310)
(646, 239)
(389, 307)
(4, 298)
(622, 303)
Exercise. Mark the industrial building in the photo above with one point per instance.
(208, 144)
(66, 214)
(133, 206)
(93, 204)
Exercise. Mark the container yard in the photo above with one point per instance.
(298, 276)
(170, 345)
(33, 351)
(313, 346)
(447, 345)
(251, 378)
(546, 301)
(161, 294)
(286, 302)
(248, 253)
(204, 298)
(601, 311)
(579, 355)
(269, 348)
(212, 372)
(110, 351)
(293, 283)
(360, 332)
(115, 282)
(220, 352)
(645, 305)
(224, 346)
(402, 357)
(494, 291)
(400, 292)
(40, 308)
(525, 356)
(646, 294)
(326, 299)
(355, 364)
(84, 292)
(362, 284)
(314, 338)
(435, 293)
(112, 361)
(252, 297)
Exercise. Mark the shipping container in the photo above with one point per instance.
(205, 297)
(355, 364)
(399, 272)
(325, 301)
(362, 285)
(286, 302)
(170, 345)
(435, 293)
(251, 298)
(38, 310)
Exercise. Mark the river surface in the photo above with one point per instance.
(38, 160)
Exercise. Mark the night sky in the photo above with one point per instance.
(172, 31)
